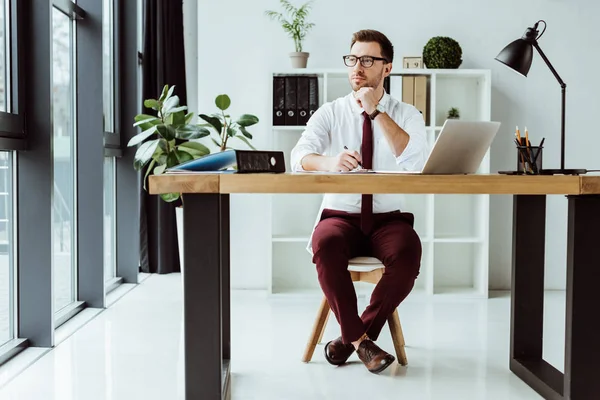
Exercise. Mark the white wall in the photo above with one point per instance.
(238, 48)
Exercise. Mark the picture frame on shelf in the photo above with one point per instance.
(412, 62)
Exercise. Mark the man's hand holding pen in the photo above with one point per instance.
(347, 160)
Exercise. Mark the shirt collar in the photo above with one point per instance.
(359, 110)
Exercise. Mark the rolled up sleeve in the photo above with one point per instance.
(415, 154)
(314, 140)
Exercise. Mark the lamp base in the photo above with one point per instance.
(563, 171)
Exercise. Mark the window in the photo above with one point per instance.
(110, 259)
(108, 65)
(7, 265)
(63, 210)
(4, 60)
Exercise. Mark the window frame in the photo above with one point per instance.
(12, 124)
(112, 140)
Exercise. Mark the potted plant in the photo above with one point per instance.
(225, 127)
(296, 27)
(167, 139)
(442, 52)
(453, 113)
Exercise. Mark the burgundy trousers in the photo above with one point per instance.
(338, 238)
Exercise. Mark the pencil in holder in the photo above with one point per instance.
(529, 159)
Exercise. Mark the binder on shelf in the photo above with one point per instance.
(386, 84)
(291, 90)
(313, 95)
(303, 102)
(278, 100)
(414, 91)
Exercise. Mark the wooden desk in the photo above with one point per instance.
(206, 257)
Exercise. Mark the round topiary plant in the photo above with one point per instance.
(442, 52)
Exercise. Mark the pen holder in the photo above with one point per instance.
(529, 160)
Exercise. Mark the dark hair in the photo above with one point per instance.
(369, 35)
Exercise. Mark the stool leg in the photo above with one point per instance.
(324, 326)
(397, 337)
(317, 330)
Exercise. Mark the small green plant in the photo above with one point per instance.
(296, 26)
(453, 113)
(225, 128)
(442, 52)
(167, 139)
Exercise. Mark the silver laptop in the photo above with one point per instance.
(460, 147)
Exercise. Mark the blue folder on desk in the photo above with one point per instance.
(238, 160)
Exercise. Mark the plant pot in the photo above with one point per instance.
(179, 220)
(299, 59)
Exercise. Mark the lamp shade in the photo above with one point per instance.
(517, 55)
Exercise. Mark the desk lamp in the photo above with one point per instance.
(518, 55)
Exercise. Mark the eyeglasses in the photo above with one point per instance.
(365, 61)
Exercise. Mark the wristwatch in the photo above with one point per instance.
(378, 110)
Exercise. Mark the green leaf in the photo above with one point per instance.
(172, 160)
(163, 95)
(178, 118)
(213, 121)
(188, 132)
(166, 131)
(148, 172)
(223, 102)
(152, 103)
(194, 148)
(144, 154)
(245, 132)
(247, 120)
(170, 104)
(178, 109)
(189, 117)
(246, 141)
(183, 156)
(230, 131)
(215, 142)
(140, 137)
(160, 169)
(169, 197)
(146, 121)
(170, 93)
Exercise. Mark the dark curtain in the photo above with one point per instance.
(163, 63)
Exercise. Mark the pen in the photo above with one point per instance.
(346, 148)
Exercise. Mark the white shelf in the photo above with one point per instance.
(289, 127)
(454, 229)
(457, 240)
(290, 239)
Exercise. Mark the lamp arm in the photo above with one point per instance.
(563, 86)
(560, 81)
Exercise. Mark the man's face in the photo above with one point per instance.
(372, 76)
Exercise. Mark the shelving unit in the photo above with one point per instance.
(454, 229)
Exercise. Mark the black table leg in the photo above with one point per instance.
(582, 347)
(225, 292)
(204, 373)
(527, 312)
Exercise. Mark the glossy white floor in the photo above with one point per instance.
(456, 350)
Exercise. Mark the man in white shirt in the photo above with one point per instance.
(366, 129)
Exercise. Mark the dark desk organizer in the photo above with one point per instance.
(529, 160)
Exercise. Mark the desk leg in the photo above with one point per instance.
(582, 347)
(580, 380)
(225, 287)
(204, 372)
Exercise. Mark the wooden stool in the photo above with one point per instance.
(362, 269)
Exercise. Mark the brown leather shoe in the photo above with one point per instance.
(375, 359)
(336, 352)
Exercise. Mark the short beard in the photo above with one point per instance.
(373, 83)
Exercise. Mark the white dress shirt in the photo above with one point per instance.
(339, 123)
